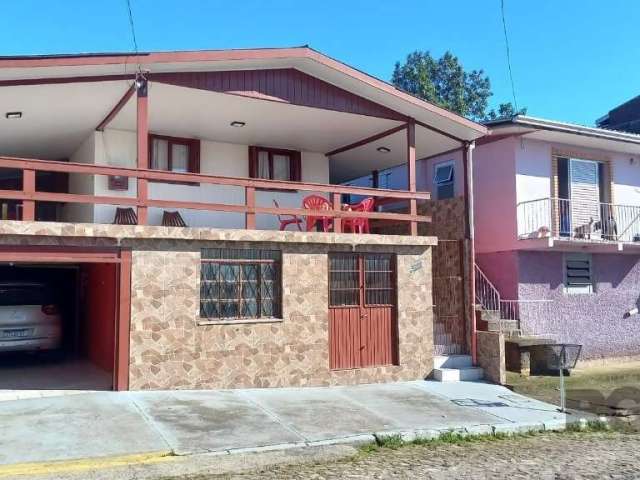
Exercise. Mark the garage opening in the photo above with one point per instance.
(58, 325)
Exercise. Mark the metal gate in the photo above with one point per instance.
(362, 310)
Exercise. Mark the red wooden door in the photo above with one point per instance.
(362, 306)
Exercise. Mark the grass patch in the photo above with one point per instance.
(390, 441)
(395, 441)
(597, 389)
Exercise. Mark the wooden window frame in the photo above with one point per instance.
(193, 163)
(295, 162)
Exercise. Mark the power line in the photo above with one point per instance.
(135, 41)
(506, 42)
(132, 26)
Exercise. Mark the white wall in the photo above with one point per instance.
(626, 179)
(533, 170)
(79, 183)
(396, 177)
(118, 148)
(425, 170)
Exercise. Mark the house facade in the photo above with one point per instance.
(557, 229)
(163, 181)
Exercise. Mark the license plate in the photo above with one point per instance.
(17, 333)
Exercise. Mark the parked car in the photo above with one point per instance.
(30, 319)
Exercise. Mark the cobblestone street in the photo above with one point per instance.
(552, 456)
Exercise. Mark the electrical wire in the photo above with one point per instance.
(135, 40)
(506, 42)
(132, 26)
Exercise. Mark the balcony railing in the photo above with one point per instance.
(583, 220)
(29, 194)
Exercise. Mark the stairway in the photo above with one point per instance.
(455, 368)
(493, 314)
(494, 321)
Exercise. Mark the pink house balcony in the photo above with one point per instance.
(581, 221)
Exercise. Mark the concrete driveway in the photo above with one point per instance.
(106, 424)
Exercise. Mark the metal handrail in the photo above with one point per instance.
(487, 294)
(584, 220)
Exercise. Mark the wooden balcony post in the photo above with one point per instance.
(337, 205)
(28, 187)
(142, 146)
(250, 201)
(411, 172)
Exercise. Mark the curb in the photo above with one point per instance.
(83, 464)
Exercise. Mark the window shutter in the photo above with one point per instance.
(194, 154)
(296, 167)
(253, 162)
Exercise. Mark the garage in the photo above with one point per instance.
(63, 319)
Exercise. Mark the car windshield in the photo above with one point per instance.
(24, 295)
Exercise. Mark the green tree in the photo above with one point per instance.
(444, 81)
(505, 110)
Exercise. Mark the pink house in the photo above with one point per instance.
(557, 229)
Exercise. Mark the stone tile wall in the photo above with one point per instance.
(491, 356)
(169, 349)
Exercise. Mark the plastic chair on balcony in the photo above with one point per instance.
(317, 203)
(359, 225)
(172, 219)
(125, 216)
(286, 220)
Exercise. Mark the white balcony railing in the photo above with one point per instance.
(591, 221)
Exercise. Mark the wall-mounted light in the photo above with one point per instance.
(383, 149)
(238, 124)
(12, 115)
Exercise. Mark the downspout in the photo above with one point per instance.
(467, 150)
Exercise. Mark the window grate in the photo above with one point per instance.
(240, 284)
(352, 275)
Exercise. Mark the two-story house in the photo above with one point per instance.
(190, 208)
(557, 229)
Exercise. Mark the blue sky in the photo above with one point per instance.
(572, 60)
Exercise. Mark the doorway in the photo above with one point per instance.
(362, 310)
(64, 323)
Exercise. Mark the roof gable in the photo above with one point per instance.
(286, 85)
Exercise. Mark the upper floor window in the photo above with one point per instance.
(443, 180)
(275, 164)
(181, 155)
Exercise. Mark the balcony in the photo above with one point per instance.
(25, 201)
(580, 221)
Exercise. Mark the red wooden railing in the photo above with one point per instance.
(29, 194)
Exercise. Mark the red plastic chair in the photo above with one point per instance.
(359, 225)
(286, 220)
(316, 202)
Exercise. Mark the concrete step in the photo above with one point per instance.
(490, 315)
(504, 326)
(452, 361)
(468, 374)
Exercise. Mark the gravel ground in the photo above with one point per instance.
(548, 456)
